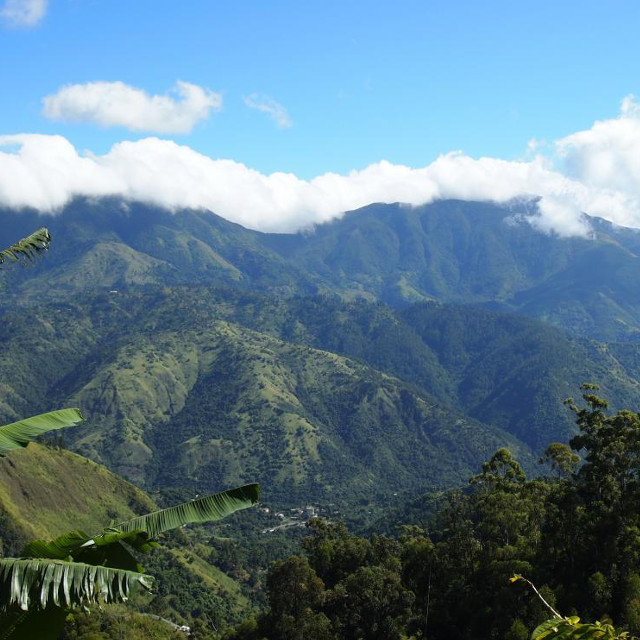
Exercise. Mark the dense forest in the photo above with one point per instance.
(575, 533)
(449, 563)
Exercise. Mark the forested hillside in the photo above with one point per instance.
(449, 251)
(453, 573)
(200, 388)
(46, 492)
(348, 369)
(214, 403)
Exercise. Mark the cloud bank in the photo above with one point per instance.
(113, 104)
(23, 13)
(269, 106)
(596, 171)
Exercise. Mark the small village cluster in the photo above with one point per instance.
(296, 516)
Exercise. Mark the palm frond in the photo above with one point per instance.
(28, 248)
(20, 434)
(207, 509)
(35, 583)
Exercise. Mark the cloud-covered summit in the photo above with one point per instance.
(111, 104)
(606, 159)
(596, 171)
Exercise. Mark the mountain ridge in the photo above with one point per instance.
(203, 388)
(201, 357)
(448, 251)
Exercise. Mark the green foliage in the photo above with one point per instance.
(293, 586)
(517, 631)
(109, 548)
(371, 603)
(501, 470)
(573, 629)
(207, 509)
(76, 569)
(560, 457)
(346, 587)
(38, 583)
(115, 622)
(19, 434)
(26, 249)
(575, 533)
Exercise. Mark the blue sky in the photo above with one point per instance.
(353, 82)
(361, 81)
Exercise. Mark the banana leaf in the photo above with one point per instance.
(20, 434)
(207, 509)
(78, 543)
(28, 248)
(37, 583)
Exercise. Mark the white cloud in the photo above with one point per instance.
(111, 104)
(269, 106)
(596, 171)
(606, 159)
(23, 13)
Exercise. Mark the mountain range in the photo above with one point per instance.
(368, 360)
(449, 251)
(392, 349)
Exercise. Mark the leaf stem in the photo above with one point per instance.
(546, 604)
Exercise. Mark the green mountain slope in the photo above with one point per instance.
(203, 388)
(109, 243)
(501, 369)
(201, 359)
(469, 252)
(227, 404)
(180, 397)
(448, 251)
(47, 492)
(514, 372)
